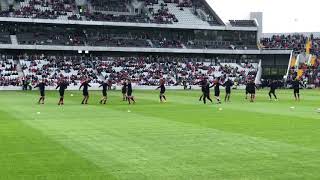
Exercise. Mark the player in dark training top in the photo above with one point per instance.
(251, 88)
(85, 91)
(162, 91)
(203, 84)
(62, 85)
(217, 85)
(273, 86)
(104, 86)
(296, 88)
(124, 91)
(205, 87)
(42, 86)
(130, 97)
(228, 84)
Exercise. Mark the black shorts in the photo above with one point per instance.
(129, 93)
(252, 92)
(217, 93)
(61, 93)
(104, 93)
(296, 91)
(42, 93)
(228, 91)
(162, 91)
(272, 91)
(123, 91)
(85, 93)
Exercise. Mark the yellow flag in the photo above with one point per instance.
(308, 46)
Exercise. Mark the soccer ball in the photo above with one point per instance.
(71, 95)
(38, 113)
(220, 109)
(129, 111)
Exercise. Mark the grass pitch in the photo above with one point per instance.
(181, 139)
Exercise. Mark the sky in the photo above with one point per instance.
(279, 16)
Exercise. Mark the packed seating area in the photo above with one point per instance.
(296, 42)
(307, 70)
(8, 72)
(48, 9)
(53, 68)
(142, 70)
(309, 73)
(153, 11)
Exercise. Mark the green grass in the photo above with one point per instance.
(182, 139)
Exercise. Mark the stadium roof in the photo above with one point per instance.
(279, 15)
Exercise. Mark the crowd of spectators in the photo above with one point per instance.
(296, 42)
(306, 71)
(99, 10)
(74, 69)
(162, 15)
(8, 72)
(149, 70)
(49, 9)
(142, 70)
(310, 72)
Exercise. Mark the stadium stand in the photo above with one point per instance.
(52, 68)
(305, 68)
(39, 34)
(53, 9)
(143, 70)
(294, 42)
(188, 12)
(44, 35)
(8, 72)
(308, 72)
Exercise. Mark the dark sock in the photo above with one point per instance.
(200, 97)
